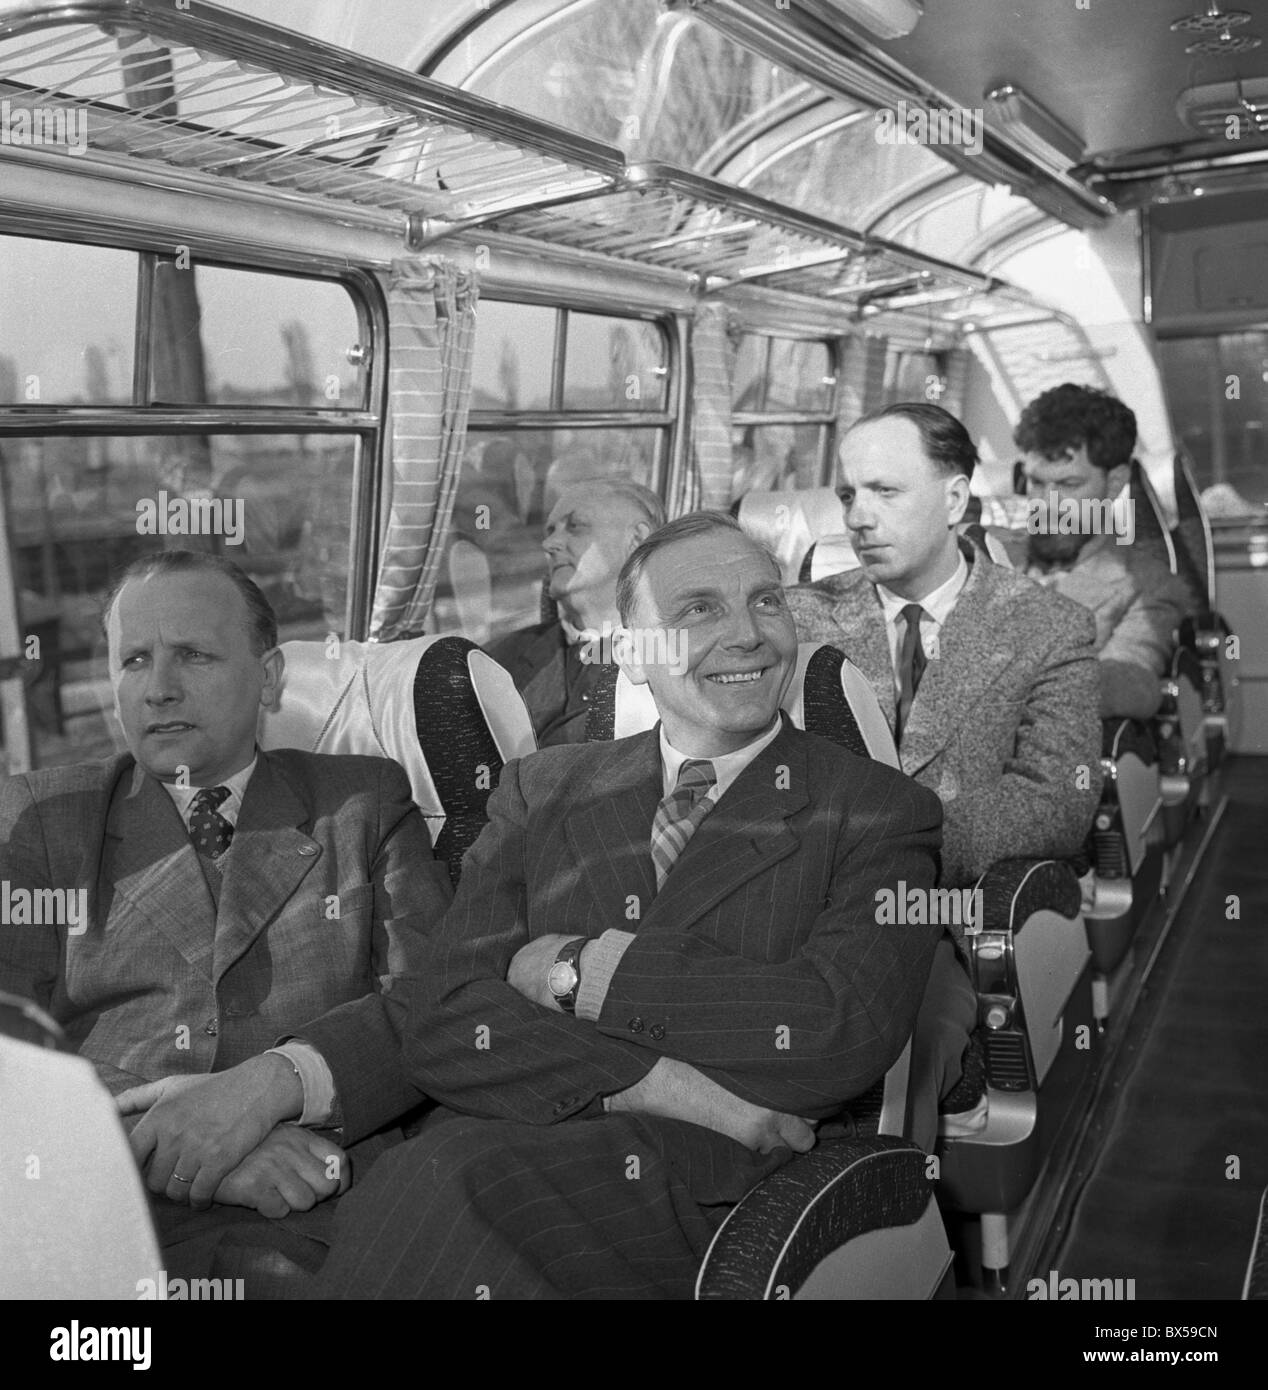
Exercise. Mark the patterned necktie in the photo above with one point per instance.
(680, 813)
(208, 829)
(911, 666)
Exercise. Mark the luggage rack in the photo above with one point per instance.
(216, 101)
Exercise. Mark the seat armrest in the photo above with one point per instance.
(1120, 736)
(1013, 890)
(789, 1223)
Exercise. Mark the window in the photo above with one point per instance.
(90, 481)
(1222, 430)
(782, 396)
(558, 395)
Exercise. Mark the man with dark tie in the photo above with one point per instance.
(662, 970)
(555, 665)
(245, 912)
(988, 679)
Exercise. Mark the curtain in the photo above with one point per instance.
(431, 320)
(708, 480)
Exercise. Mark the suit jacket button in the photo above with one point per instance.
(308, 850)
(636, 1025)
(656, 1031)
(212, 1028)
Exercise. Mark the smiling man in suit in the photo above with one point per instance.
(245, 910)
(662, 969)
(988, 680)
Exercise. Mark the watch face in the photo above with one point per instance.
(562, 979)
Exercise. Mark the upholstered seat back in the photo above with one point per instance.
(446, 712)
(790, 522)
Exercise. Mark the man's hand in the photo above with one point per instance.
(292, 1170)
(531, 965)
(676, 1091)
(197, 1129)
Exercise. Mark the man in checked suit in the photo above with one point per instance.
(989, 681)
(234, 899)
(663, 968)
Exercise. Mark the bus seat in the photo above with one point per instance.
(1127, 843)
(1181, 732)
(829, 555)
(438, 706)
(74, 1218)
(1032, 972)
(471, 582)
(790, 522)
(1255, 1287)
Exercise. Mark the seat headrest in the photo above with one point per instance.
(359, 697)
(790, 522)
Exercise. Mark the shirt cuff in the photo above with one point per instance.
(315, 1078)
(603, 955)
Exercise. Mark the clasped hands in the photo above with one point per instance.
(672, 1089)
(225, 1138)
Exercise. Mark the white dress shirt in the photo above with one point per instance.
(937, 606)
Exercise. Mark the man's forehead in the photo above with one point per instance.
(891, 445)
(196, 601)
(713, 562)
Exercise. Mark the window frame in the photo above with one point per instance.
(365, 424)
(826, 418)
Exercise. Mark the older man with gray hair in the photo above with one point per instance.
(591, 530)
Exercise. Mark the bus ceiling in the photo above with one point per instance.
(224, 107)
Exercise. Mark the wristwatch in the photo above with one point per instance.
(564, 978)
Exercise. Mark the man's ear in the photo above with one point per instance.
(640, 531)
(957, 498)
(274, 663)
(627, 652)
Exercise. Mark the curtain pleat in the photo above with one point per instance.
(708, 480)
(431, 320)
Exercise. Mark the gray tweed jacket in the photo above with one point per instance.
(1004, 726)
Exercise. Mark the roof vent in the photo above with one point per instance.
(1211, 108)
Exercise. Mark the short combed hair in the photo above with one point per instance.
(1070, 416)
(643, 498)
(947, 444)
(684, 528)
(261, 620)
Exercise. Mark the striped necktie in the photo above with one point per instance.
(680, 813)
(208, 829)
(911, 666)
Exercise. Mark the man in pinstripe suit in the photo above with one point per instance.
(662, 971)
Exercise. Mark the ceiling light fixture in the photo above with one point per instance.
(1033, 130)
(1215, 30)
(887, 19)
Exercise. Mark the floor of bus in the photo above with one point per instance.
(1182, 1130)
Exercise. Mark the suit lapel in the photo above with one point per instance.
(270, 858)
(154, 871)
(741, 837)
(970, 659)
(611, 835)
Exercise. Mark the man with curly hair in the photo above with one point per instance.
(1077, 445)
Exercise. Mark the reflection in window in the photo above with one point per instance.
(1224, 437)
(847, 175)
(660, 84)
(266, 340)
(782, 400)
(510, 480)
(79, 509)
(67, 322)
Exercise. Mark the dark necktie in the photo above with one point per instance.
(208, 829)
(911, 666)
(680, 813)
